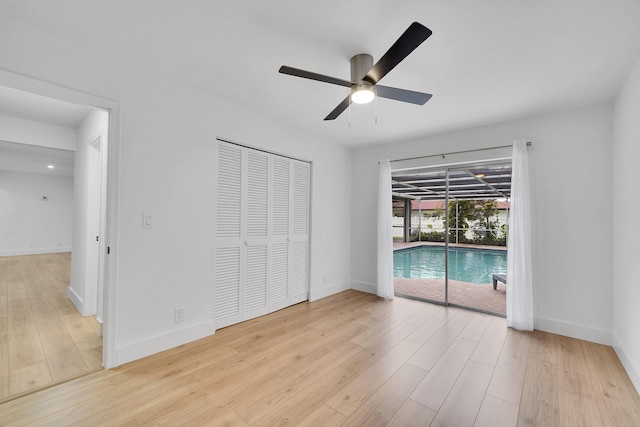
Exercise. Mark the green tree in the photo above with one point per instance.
(437, 213)
(461, 212)
(485, 215)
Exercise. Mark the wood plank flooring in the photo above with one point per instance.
(43, 338)
(352, 359)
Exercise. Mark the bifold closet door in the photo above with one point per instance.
(262, 237)
(299, 282)
(290, 233)
(280, 208)
(256, 220)
(227, 258)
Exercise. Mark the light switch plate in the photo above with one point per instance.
(147, 221)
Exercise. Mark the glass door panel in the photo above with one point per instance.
(419, 265)
(478, 208)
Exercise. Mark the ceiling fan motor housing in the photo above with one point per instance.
(360, 66)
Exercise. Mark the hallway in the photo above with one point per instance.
(43, 338)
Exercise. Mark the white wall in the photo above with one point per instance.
(94, 125)
(626, 206)
(13, 129)
(165, 166)
(28, 224)
(167, 171)
(570, 163)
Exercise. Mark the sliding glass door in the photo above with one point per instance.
(456, 254)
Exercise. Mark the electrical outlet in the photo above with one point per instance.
(179, 314)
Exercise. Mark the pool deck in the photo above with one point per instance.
(481, 297)
(402, 245)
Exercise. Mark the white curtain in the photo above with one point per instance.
(519, 283)
(385, 232)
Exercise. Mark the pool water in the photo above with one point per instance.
(465, 264)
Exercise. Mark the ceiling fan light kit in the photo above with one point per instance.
(365, 75)
(362, 94)
(362, 91)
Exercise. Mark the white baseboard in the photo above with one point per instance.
(34, 251)
(364, 287)
(144, 348)
(316, 294)
(582, 332)
(75, 299)
(627, 363)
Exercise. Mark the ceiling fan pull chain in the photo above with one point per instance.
(376, 106)
(349, 108)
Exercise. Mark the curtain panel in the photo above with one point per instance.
(519, 282)
(385, 232)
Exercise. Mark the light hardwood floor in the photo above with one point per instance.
(43, 338)
(352, 359)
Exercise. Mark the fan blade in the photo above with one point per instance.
(313, 76)
(407, 43)
(418, 98)
(339, 109)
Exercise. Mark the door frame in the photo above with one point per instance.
(110, 210)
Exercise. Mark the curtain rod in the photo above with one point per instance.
(456, 152)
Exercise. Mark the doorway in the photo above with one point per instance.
(47, 277)
(455, 253)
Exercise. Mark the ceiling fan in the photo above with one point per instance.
(365, 76)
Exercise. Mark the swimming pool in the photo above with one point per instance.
(465, 264)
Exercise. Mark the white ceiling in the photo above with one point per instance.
(20, 157)
(34, 159)
(487, 61)
(38, 108)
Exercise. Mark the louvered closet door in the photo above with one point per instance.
(256, 235)
(226, 296)
(262, 234)
(281, 188)
(299, 247)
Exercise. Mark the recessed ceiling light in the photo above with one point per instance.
(50, 166)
